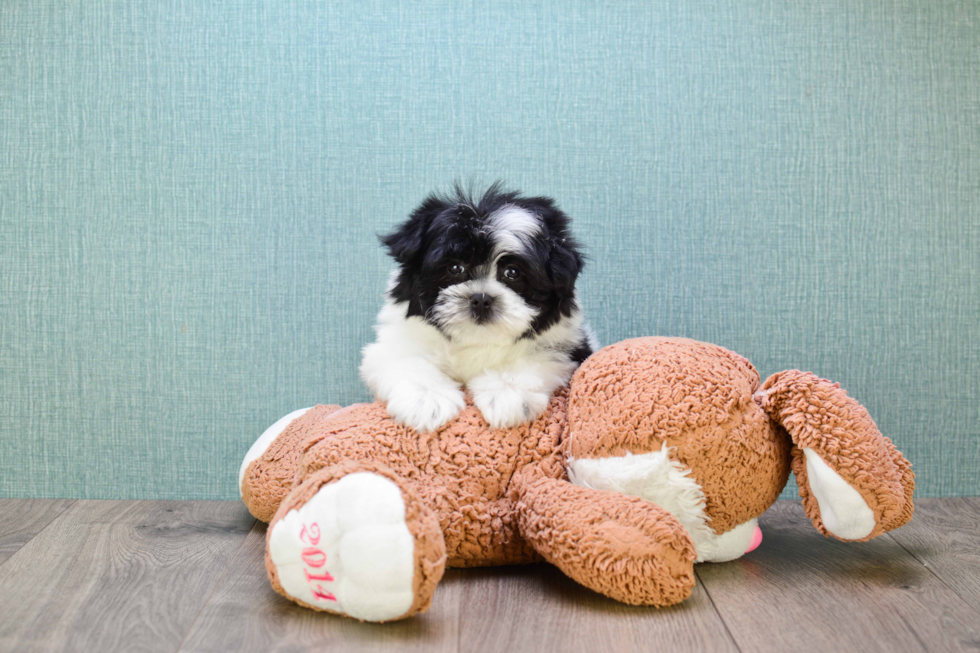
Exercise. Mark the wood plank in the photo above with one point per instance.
(802, 591)
(118, 575)
(245, 614)
(537, 608)
(22, 519)
(944, 535)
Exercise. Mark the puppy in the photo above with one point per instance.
(483, 297)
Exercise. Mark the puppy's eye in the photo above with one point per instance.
(511, 273)
(456, 269)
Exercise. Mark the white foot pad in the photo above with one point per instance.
(348, 549)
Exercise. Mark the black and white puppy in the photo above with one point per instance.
(483, 297)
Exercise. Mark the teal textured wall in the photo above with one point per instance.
(189, 194)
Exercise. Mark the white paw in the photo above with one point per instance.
(425, 408)
(504, 405)
(348, 549)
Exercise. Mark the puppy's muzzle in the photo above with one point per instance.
(481, 306)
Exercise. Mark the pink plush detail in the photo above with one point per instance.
(756, 540)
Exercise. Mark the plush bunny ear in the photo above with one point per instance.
(854, 483)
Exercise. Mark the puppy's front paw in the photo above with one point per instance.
(504, 405)
(425, 409)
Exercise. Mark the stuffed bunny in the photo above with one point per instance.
(661, 453)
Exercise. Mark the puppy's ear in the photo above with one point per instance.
(565, 261)
(405, 243)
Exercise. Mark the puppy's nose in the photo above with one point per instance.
(481, 305)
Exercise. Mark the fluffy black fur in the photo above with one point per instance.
(454, 228)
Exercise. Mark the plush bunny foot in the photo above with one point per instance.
(269, 436)
(267, 473)
(359, 545)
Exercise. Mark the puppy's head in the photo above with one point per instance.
(503, 266)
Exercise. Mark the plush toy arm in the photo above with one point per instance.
(854, 483)
(624, 547)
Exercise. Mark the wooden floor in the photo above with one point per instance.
(188, 576)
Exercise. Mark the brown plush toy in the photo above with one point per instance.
(661, 453)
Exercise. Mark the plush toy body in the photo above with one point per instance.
(661, 453)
